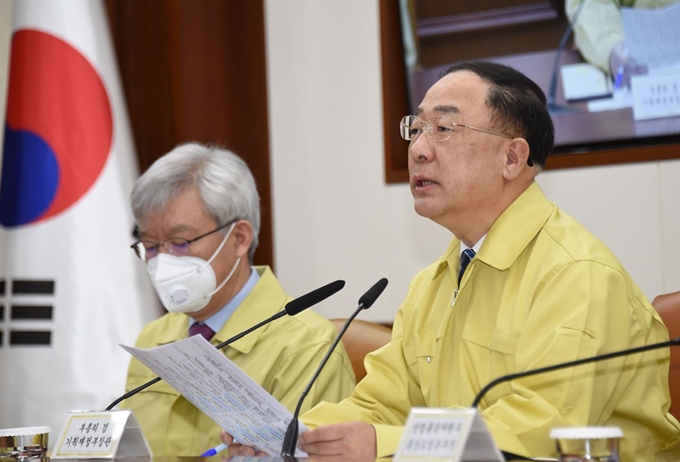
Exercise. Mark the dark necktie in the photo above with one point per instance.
(202, 329)
(465, 257)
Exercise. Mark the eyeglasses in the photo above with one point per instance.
(439, 129)
(177, 246)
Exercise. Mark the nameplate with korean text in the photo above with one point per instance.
(101, 435)
(656, 96)
(452, 435)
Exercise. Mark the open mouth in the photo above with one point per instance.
(423, 183)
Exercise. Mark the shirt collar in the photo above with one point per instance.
(475, 248)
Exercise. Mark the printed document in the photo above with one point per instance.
(215, 385)
(652, 35)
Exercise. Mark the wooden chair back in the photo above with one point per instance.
(361, 338)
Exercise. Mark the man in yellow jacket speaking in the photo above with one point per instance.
(521, 286)
(198, 213)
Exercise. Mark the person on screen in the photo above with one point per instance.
(598, 34)
(198, 216)
(521, 286)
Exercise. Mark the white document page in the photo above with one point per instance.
(652, 35)
(582, 81)
(215, 385)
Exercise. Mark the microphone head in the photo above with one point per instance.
(294, 307)
(372, 294)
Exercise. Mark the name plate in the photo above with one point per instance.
(656, 96)
(101, 435)
(447, 434)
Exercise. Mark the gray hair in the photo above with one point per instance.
(222, 178)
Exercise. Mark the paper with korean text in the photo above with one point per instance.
(215, 385)
(653, 35)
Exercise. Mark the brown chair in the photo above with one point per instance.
(361, 338)
(668, 307)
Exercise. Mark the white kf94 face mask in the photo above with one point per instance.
(186, 284)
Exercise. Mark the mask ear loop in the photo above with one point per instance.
(233, 269)
(219, 248)
(231, 273)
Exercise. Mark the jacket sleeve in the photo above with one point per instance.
(597, 29)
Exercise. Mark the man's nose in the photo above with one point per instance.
(420, 149)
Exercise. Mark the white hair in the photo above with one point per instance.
(222, 179)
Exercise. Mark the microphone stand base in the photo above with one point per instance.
(290, 440)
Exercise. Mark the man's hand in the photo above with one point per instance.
(622, 66)
(347, 440)
(236, 449)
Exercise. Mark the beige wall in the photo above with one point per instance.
(334, 216)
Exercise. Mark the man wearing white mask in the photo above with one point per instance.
(198, 215)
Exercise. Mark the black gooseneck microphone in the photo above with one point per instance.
(365, 302)
(578, 362)
(291, 309)
(552, 106)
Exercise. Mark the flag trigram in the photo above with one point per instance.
(17, 315)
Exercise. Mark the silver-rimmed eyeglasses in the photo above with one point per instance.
(177, 246)
(439, 129)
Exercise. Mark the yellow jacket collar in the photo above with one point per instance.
(259, 304)
(525, 216)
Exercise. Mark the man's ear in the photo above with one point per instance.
(516, 158)
(243, 233)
